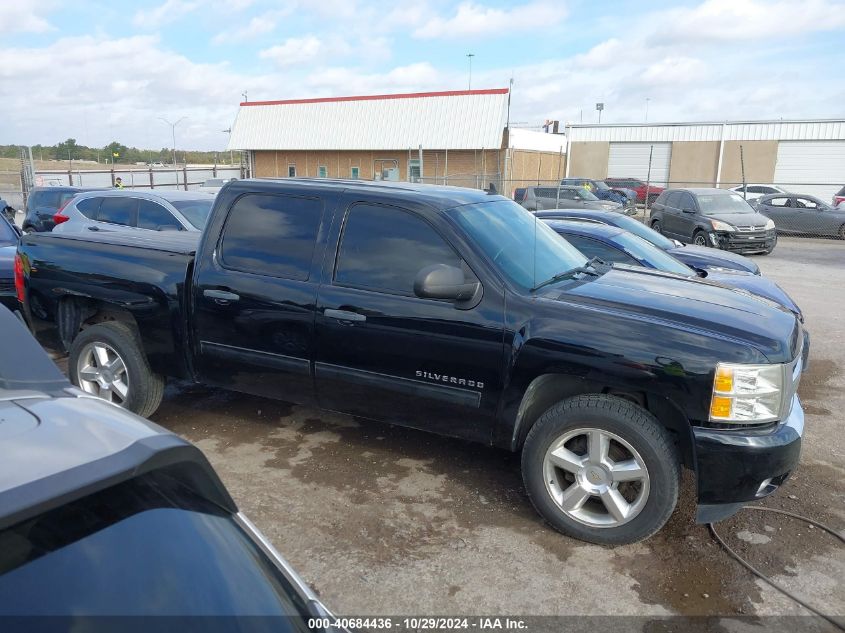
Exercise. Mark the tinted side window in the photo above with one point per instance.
(384, 248)
(595, 248)
(778, 202)
(152, 215)
(89, 207)
(272, 235)
(118, 210)
(686, 201)
(673, 200)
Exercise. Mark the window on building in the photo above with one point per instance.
(414, 170)
(383, 248)
(291, 171)
(322, 171)
(271, 235)
(354, 173)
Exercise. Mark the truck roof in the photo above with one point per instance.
(60, 445)
(438, 196)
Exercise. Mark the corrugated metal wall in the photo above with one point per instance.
(734, 131)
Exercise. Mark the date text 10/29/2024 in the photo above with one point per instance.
(419, 623)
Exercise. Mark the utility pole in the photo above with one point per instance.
(469, 57)
(173, 133)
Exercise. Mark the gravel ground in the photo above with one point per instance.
(386, 520)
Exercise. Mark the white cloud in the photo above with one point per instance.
(728, 20)
(169, 11)
(259, 25)
(18, 17)
(471, 20)
(348, 81)
(294, 51)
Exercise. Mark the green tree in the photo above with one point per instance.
(116, 148)
(67, 150)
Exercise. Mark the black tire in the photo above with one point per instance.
(145, 388)
(699, 238)
(655, 225)
(629, 422)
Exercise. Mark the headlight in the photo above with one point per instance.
(746, 394)
(721, 226)
(770, 225)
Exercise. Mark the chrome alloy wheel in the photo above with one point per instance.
(102, 373)
(596, 478)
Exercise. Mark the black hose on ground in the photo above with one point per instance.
(768, 580)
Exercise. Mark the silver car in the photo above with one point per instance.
(562, 197)
(130, 210)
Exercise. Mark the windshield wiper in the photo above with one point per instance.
(586, 269)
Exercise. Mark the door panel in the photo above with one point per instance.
(671, 222)
(418, 362)
(254, 303)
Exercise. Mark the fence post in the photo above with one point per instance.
(112, 176)
(69, 177)
(185, 175)
(648, 178)
(152, 180)
(214, 169)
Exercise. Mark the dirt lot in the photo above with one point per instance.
(385, 520)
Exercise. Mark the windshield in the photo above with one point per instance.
(711, 204)
(147, 547)
(195, 211)
(584, 194)
(644, 251)
(7, 233)
(526, 251)
(641, 230)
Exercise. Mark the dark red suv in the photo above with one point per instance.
(637, 185)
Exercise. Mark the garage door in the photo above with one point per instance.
(630, 160)
(812, 167)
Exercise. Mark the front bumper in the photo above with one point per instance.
(740, 242)
(736, 466)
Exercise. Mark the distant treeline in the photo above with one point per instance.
(71, 150)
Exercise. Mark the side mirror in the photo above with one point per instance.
(440, 281)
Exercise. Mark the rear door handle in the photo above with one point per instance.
(220, 296)
(344, 315)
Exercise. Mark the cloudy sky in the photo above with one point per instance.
(102, 70)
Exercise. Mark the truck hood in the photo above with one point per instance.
(755, 284)
(740, 219)
(705, 257)
(689, 303)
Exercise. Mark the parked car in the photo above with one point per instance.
(131, 210)
(103, 513)
(752, 192)
(839, 198)
(694, 256)
(563, 197)
(43, 203)
(617, 246)
(214, 185)
(638, 187)
(802, 215)
(713, 217)
(450, 310)
(9, 236)
(601, 190)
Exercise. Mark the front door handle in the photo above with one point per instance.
(344, 315)
(220, 296)
(93, 228)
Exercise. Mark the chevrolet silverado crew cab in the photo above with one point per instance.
(449, 310)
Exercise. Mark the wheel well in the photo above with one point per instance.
(549, 389)
(74, 314)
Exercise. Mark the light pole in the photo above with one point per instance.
(469, 57)
(599, 107)
(173, 133)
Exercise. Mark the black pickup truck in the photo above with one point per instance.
(448, 310)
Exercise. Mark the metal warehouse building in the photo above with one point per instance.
(806, 156)
(455, 138)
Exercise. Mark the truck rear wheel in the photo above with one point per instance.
(106, 360)
(601, 469)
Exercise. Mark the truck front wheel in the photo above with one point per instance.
(601, 469)
(106, 360)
